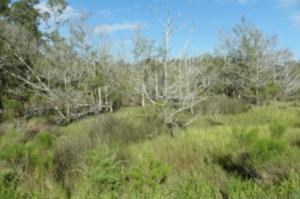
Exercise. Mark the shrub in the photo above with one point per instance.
(265, 148)
(148, 173)
(12, 155)
(46, 140)
(106, 130)
(194, 187)
(8, 185)
(249, 137)
(248, 189)
(14, 105)
(28, 157)
(277, 129)
(68, 154)
(290, 188)
(102, 170)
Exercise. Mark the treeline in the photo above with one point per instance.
(65, 78)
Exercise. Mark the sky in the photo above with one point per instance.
(207, 18)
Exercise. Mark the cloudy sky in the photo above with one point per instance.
(207, 17)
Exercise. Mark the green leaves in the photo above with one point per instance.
(4, 8)
(25, 14)
(277, 129)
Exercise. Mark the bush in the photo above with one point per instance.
(194, 187)
(277, 129)
(106, 130)
(290, 188)
(249, 137)
(148, 173)
(103, 170)
(265, 149)
(248, 189)
(29, 157)
(45, 140)
(8, 185)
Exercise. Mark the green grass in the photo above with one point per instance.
(254, 154)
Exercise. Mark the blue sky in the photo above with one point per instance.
(206, 17)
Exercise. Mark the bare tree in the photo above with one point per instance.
(289, 74)
(142, 53)
(54, 73)
(183, 81)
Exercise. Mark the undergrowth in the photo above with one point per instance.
(254, 154)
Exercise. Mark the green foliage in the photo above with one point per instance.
(14, 105)
(262, 149)
(37, 100)
(249, 137)
(103, 170)
(265, 149)
(45, 140)
(31, 156)
(39, 158)
(25, 14)
(239, 189)
(10, 149)
(290, 188)
(277, 129)
(194, 187)
(269, 92)
(253, 156)
(8, 185)
(9, 116)
(84, 161)
(4, 7)
(148, 173)
(57, 5)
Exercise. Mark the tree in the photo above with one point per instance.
(290, 77)
(142, 53)
(184, 82)
(24, 13)
(4, 9)
(252, 60)
(15, 40)
(56, 8)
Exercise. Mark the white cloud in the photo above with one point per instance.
(68, 13)
(119, 12)
(241, 2)
(291, 5)
(288, 2)
(296, 18)
(246, 1)
(106, 13)
(115, 27)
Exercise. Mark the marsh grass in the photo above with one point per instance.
(255, 154)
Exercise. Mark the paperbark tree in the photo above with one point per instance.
(106, 71)
(252, 57)
(142, 54)
(54, 19)
(56, 74)
(290, 77)
(25, 14)
(4, 9)
(184, 83)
